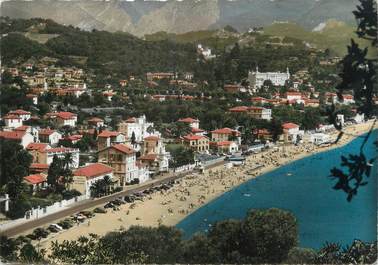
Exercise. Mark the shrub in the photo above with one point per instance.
(99, 210)
(301, 256)
(117, 189)
(65, 224)
(69, 194)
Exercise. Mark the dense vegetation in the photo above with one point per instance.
(113, 56)
(264, 236)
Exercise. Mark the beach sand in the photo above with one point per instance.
(193, 191)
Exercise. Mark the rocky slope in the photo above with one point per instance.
(144, 17)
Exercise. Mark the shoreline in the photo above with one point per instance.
(195, 190)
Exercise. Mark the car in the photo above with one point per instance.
(57, 226)
(87, 214)
(109, 205)
(53, 229)
(129, 199)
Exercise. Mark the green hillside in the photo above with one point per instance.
(334, 36)
(216, 39)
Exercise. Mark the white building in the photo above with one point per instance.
(49, 136)
(291, 132)
(256, 79)
(29, 129)
(206, 52)
(60, 152)
(64, 118)
(84, 177)
(154, 154)
(193, 123)
(22, 137)
(293, 95)
(319, 138)
(12, 121)
(122, 159)
(139, 126)
(24, 115)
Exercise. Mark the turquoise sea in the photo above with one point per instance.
(304, 188)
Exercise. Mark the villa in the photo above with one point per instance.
(84, 177)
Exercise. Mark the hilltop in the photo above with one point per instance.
(147, 17)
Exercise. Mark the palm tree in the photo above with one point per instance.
(95, 189)
(107, 183)
(67, 160)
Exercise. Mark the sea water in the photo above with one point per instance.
(304, 188)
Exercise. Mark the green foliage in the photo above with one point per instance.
(59, 173)
(159, 245)
(12, 98)
(311, 119)
(101, 187)
(28, 254)
(8, 249)
(359, 74)
(358, 253)
(17, 47)
(269, 234)
(181, 156)
(301, 256)
(15, 163)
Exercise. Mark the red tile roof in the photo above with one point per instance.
(12, 135)
(37, 146)
(65, 115)
(258, 99)
(35, 179)
(123, 148)
(93, 170)
(188, 120)
(239, 109)
(19, 112)
(60, 150)
(226, 131)
(11, 117)
(95, 119)
(191, 137)
(107, 134)
(149, 157)
(245, 108)
(195, 130)
(47, 131)
(152, 138)
(22, 128)
(39, 166)
(74, 137)
(289, 125)
(131, 120)
(222, 143)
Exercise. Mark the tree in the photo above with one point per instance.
(181, 156)
(29, 254)
(15, 163)
(269, 234)
(158, 245)
(133, 140)
(359, 74)
(54, 172)
(180, 129)
(225, 236)
(8, 249)
(301, 256)
(199, 250)
(311, 119)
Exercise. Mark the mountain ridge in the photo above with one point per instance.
(145, 17)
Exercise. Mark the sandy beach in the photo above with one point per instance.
(171, 206)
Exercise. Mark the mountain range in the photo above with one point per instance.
(140, 17)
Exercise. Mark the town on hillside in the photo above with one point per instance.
(89, 125)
